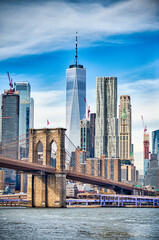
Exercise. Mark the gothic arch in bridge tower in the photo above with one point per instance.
(39, 153)
(47, 190)
(53, 153)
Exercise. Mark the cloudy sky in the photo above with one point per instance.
(115, 38)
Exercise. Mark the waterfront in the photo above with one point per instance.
(85, 223)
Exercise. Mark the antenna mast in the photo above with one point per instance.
(76, 51)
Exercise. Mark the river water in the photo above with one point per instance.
(79, 223)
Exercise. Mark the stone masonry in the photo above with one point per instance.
(47, 190)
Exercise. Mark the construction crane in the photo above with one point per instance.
(144, 126)
(10, 83)
(88, 109)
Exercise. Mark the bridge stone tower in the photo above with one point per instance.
(47, 190)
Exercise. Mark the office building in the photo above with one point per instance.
(129, 174)
(85, 136)
(125, 145)
(155, 143)
(111, 168)
(80, 160)
(106, 132)
(92, 134)
(10, 130)
(10, 123)
(75, 103)
(26, 115)
(1, 181)
(93, 167)
(152, 177)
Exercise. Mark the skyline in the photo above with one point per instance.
(121, 41)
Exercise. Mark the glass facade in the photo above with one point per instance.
(10, 131)
(146, 166)
(85, 135)
(26, 107)
(75, 104)
(155, 143)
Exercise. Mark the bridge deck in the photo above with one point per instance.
(30, 167)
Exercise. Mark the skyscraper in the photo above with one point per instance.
(10, 129)
(92, 134)
(75, 104)
(10, 122)
(106, 133)
(155, 143)
(26, 114)
(85, 135)
(125, 146)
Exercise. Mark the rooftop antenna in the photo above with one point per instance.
(76, 51)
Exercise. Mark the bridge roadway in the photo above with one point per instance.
(35, 168)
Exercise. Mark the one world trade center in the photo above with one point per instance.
(75, 103)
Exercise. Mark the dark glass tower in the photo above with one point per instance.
(10, 130)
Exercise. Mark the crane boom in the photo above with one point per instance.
(10, 83)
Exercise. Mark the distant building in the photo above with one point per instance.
(129, 174)
(125, 145)
(85, 135)
(155, 143)
(111, 168)
(26, 115)
(106, 133)
(92, 134)
(146, 152)
(1, 180)
(93, 167)
(141, 180)
(75, 103)
(71, 190)
(10, 130)
(152, 177)
(80, 160)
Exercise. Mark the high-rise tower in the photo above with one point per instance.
(125, 146)
(106, 132)
(75, 104)
(10, 130)
(25, 114)
(155, 143)
(85, 135)
(92, 134)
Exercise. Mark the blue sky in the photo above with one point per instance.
(115, 38)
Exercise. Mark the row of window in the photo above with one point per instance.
(81, 85)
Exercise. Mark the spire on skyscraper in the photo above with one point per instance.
(76, 56)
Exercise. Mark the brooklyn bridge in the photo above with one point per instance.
(46, 185)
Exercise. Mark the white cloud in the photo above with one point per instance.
(37, 27)
(144, 99)
(49, 105)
